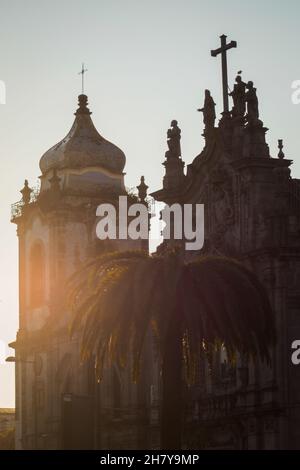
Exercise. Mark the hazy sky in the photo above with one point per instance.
(148, 63)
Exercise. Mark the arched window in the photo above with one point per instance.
(37, 275)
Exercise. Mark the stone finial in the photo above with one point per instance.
(142, 189)
(82, 103)
(280, 146)
(26, 193)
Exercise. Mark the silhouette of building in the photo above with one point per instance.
(55, 393)
(252, 213)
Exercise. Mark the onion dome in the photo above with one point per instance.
(83, 147)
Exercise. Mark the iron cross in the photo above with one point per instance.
(82, 72)
(223, 51)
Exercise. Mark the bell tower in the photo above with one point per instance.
(56, 231)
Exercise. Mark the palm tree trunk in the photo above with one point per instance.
(172, 407)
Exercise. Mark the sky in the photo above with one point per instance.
(148, 63)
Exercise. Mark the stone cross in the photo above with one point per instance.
(223, 51)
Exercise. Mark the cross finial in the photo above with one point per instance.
(223, 51)
(82, 72)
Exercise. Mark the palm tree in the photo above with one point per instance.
(191, 307)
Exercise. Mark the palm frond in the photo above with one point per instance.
(117, 297)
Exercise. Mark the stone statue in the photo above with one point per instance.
(208, 110)
(239, 97)
(252, 103)
(26, 193)
(174, 136)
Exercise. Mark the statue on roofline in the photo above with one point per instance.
(208, 110)
(174, 136)
(252, 104)
(239, 97)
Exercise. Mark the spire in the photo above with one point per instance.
(83, 146)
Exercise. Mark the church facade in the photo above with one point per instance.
(252, 213)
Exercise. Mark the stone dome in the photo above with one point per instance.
(83, 147)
